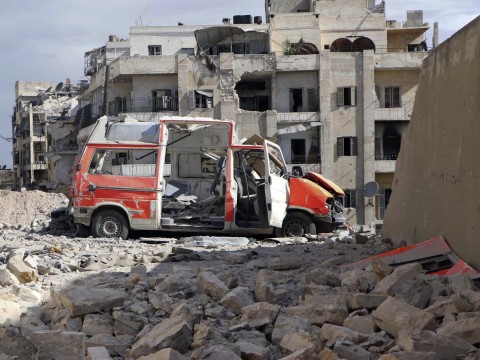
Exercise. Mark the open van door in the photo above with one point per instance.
(276, 184)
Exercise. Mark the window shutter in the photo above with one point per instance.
(312, 99)
(378, 97)
(340, 146)
(353, 198)
(396, 97)
(191, 99)
(353, 93)
(340, 96)
(354, 146)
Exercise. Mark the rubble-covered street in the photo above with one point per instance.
(66, 297)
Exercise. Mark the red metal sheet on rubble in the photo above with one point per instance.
(461, 267)
(433, 247)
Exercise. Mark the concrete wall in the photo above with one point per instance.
(298, 80)
(437, 180)
(171, 38)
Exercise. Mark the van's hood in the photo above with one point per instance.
(325, 183)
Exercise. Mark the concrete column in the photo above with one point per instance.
(367, 151)
(326, 137)
(182, 65)
(30, 141)
(435, 34)
(228, 105)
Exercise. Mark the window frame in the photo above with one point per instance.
(353, 146)
(350, 199)
(347, 96)
(152, 50)
(390, 99)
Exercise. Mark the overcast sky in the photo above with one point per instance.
(46, 40)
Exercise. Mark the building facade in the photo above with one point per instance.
(332, 81)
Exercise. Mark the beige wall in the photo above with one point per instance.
(438, 174)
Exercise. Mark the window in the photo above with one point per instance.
(240, 49)
(155, 50)
(350, 199)
(298, 155)
(203, 99)
(347, 146)
(392, 97)
(347, 96)
(296, 100)
(124, 162)
(188, 51)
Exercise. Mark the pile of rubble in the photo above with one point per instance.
(28, 210)
(259, 300)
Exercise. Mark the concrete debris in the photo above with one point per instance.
(226, 299)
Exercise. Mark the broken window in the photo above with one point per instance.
(161, 100)
(298, 155)
(253, 95)
(124, 162)
(240, 49)
(392, 97)
(350, 199)
(296, 100)
(347, 96)
(155, 50)
(203, 99)
(384, 199)
(188, 51)
(347, 146)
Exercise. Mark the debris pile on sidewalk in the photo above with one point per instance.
(227, 298)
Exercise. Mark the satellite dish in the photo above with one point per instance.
(371, 189)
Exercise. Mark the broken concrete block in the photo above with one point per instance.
(116, 346)
(165, 354)
(357, 279)
(321, 277)
(409, 355)
(9, 313)
(236, 299)
(218, 312)
(56, 344)
(126, 323)
(208, 283)
(288, 323)
(170, 333)
(349, 351)
(24, 273)
(416, 292)
(207, 334)
(285, 263)
(473, 297)
(380, 268)
(394, 315)
(323, 308)
(84, 299)
(260, 314)
(368, 301)
(333, 333)
(265, 292)
(27, 294)
(327, 354)
(392, 282)
(467, 329)
(445, 346)
(29, 324)
(96, 324)
(361, 324)
(97, 353)
(253, 352)
(453, 305)
(460, 283)
(190, 313)
(6, 277)
(303, 354)
(301, 340)
(334, 261)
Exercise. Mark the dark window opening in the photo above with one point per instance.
(363, 43)
(347, 96)
(298, 151)
(203, 99)
(392, 97)
(350, 199)
(188, 51)
(296, 100)
(341, 45)
(155, 50)
(384, 200)
(347, 146)
(392, 141)
(253, 95)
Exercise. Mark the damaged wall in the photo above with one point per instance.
(437, 178)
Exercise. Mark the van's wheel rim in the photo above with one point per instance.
(110, 227)
(295, 228)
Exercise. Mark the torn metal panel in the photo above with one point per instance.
(298, 128)
(209, 37)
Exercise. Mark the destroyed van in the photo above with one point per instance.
(190, 175)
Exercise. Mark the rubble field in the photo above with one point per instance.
(197, 297)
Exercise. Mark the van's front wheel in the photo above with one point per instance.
(110, 224)
(297, 224)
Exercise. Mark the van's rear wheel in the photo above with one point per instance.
(297, 224)
(110, 224)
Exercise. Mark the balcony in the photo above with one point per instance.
(298, 117)
(385, 163)
(126, 67)
(400, 60)
(404, 112)
(143, 105)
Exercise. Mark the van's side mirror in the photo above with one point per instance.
(79, 167)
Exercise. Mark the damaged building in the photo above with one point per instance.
(44, 133)
(332, 82)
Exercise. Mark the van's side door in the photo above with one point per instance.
(277, 190)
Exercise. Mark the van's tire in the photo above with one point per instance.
(110, 224)
(297, 224)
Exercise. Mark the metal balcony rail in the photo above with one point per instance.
(302, 159)
(379, 156)
(143, 104)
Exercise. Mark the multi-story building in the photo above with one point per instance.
(44, 133)
(332, 81)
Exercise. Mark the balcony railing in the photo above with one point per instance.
(401, 112)
(386, 156)
(302, 159)
(143, 104)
